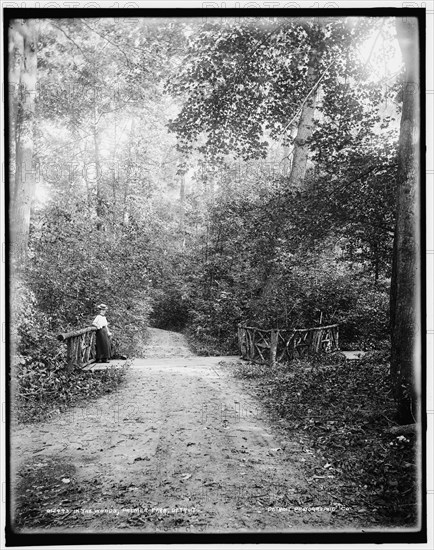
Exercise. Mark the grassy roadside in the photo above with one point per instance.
(344, 412)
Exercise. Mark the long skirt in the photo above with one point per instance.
(102, 344)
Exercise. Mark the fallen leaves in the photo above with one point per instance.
(343, 414)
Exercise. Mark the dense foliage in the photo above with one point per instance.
(262, 265)
(166, 152)
(280, 251)
(194, 175)
(241, 77)
(43, 386)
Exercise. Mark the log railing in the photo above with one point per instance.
(281, 345)
(80, 346)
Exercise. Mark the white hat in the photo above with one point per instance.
(102, 306)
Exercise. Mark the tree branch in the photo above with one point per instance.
(107, 40)
(71, 40)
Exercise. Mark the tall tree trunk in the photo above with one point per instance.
(129, 175)
(23, 131)
(99, 200)
(305, 127)
(15, 66)
(405, 287)
(300, 155)
(82, 147)
(115, 177)
(182, 207)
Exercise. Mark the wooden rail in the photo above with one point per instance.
(281, 345)
(81, 347)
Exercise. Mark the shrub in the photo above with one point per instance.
(41, 381)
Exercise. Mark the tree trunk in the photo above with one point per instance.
(408, 429)
(82, 147)
(182, 207)
(129, 175)
(405, 287)
(115, 181)
(300, 154)
(99, 201)
(15, 66)
(305, 127)
(23, 131)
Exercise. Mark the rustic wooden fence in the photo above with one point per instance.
(281, 345)
(80, 346)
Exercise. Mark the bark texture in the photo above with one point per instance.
(305, 127)
(23, 68)
(406, 288)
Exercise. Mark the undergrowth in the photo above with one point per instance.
(41, 389)
(41, 381)
(345, 410)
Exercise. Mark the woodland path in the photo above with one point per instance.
(180, 446)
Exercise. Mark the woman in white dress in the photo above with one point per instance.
(103, 334)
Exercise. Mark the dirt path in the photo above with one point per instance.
(179, 447)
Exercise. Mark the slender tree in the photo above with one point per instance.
(23, 40)
(405, 288)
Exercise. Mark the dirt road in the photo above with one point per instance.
(179, 447)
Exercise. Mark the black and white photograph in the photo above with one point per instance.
(215, 274)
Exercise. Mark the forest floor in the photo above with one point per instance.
(180, 446)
